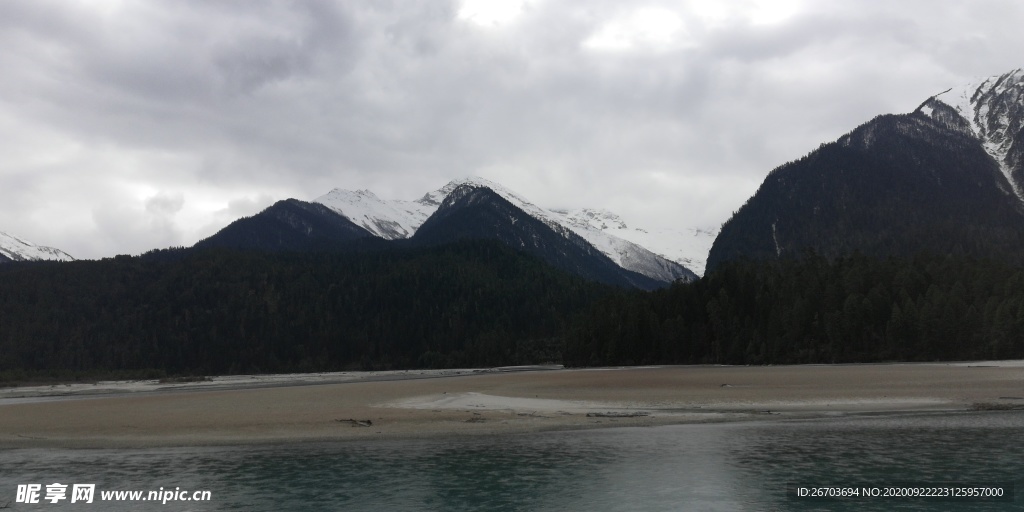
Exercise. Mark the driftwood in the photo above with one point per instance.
(357, 423)
(989, 406)
(617, 414)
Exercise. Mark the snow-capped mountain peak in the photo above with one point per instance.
(400, 219)
(994, 109)
(13, 248)
(593, 218)
(390, 220)
(624, 253)
(438, 195)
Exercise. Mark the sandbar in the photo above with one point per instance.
(487, 402)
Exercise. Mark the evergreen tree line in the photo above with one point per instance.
(219, 311)
(813, 310)
(473, 304)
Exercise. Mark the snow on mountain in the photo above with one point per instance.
(592, 218)
(687, 246)
(16, 249)
(994, 109)
(400, 219)
(390, 220)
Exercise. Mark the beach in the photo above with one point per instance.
(487, 401)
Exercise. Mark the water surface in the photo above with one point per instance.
(727, 467)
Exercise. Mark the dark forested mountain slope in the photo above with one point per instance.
(288, 225)
(898, 185)
(470, 212)
(396, 219)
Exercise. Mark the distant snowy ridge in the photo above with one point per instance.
(390, 220)
(624, 253)
(394, 219)
(17, 249)
(994, 110)
(687, 246)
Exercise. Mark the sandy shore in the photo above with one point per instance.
(478, 402)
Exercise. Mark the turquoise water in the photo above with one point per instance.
(723, 467)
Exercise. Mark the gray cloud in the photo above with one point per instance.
(166, 120)
(165, 205)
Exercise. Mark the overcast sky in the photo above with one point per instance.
(127, 126)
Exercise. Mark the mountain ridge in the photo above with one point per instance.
(14, 248)
(931, 180)
(478, 212)
(994, 111)
(289, 224)
(394, 219)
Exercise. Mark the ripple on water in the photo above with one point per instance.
(689, 467)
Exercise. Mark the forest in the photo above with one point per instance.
(481, 304)
(814, 310)
(226, 312)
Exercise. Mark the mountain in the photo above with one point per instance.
(993, 109)
(687, 246)
(390, 220)
(288, 225)
(464, 210)
(944, 179)
(477, 212)
(13, 248)
(394, 219)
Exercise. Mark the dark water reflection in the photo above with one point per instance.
(975, 449)
(696, 467)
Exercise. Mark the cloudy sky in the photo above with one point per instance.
(132, 125)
